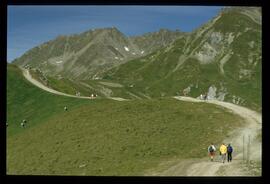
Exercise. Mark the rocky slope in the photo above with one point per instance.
(222, 59)
(150, 42)
(85, 55)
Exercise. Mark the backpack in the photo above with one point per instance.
(230, 149)
(211, 149)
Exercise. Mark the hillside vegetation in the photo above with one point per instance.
(86, 55)
(25, 101)
(224, 53)
(104, 137)
(221, 58)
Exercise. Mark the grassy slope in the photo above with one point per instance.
(152, 75)
(247, 88)
(24, 101)
(110, 137)
(64, 85)
(70, 87)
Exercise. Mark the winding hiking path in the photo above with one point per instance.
(203, 167)
(28, 76)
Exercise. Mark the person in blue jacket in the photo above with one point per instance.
(229, 152)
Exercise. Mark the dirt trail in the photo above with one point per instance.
(203, 167)
(28, 76)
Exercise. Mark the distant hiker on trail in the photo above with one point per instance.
(78, 93)
(184, 93)
(211, 151)
(205, 97)
(23, 123)
(201, 97)
(229, 152)
(223, 152)
(65, 108)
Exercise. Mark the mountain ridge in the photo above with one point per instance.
(221, 58)
(91, 51)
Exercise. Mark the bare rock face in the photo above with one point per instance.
(216, 38)
(83, 55)
(206, 54)
(237, 100)
(211, 95)
(214, 93)
(221, 96)
(187, 90)
(222, 92)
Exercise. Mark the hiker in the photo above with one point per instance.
(65, 108)
(229, 152)
(201, 97)
(211, 151)
(7, 124)
(23, 123)
(223, 152)
(205, 97)
(78, 93)
(184, 93)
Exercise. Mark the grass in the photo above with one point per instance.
(105, 137)
(25, 101)
(123, 140)
(253, 168)
(228, 22)
(64, 85)
(71, 87)
(259, 136)
(152, 74)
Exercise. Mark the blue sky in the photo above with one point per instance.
(29, 26)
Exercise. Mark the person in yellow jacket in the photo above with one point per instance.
(223, 152)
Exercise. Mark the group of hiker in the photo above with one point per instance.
(24, 122)
(78, 93)
(93, 96)
(203, 97)
(224, 151)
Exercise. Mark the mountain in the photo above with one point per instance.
(153, 41)
(85, 55)
(222, 58)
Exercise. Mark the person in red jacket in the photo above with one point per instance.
(212, 151)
